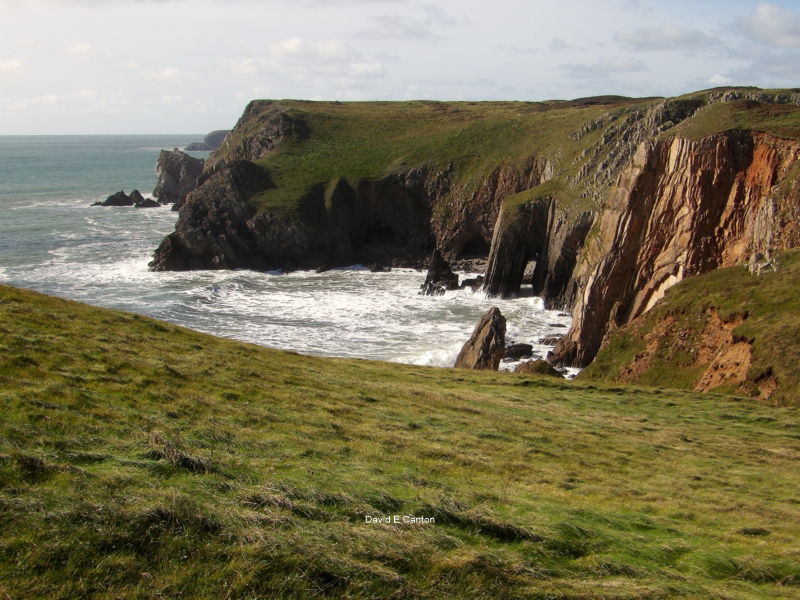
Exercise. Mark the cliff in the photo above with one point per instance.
(732, 330)
(681, 208)
(613, 199)
(357, 182)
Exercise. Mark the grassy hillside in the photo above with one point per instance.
(363, 140)
(142, 460)
(661, 347)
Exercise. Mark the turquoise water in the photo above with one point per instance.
(52, 240)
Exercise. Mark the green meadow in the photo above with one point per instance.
(142, 460)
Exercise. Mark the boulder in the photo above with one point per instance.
(474, 283)
(485, 347)
(517, 351)
(537, 367)
(147, 203)
(118, 199)
(440, 277)
(550, 340)
(177, 176)
(379, 268)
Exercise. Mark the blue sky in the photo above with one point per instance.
(157, 66)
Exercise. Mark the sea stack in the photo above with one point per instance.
(485, 347)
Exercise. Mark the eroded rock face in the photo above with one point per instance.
(485, 347)
(213, 230)
(683, 207)
(440, 277)
(177, 176)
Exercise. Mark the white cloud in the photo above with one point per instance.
(296, 47)
(367, 69)
(719, 79)
(10, 64)
(603, 67)
(302, 60)
(78, 49)
(774, 25)
(47, 99)
(667, 37)
(167, 99)
(163, 74)
(85, 95)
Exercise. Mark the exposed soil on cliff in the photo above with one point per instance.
(727, 331)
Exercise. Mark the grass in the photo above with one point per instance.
(142, 460)
(770, 302)
(779, 120)
(358, 141)
(368, 140)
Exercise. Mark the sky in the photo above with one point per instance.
(191, 66)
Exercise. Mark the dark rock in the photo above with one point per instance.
(517, 351)
(475, 283)
(485, 347)
(550, 340)
(136, 197)
(214, 228)
(440, 277)
(379, 268)
(118, 199)
(212, 141)
(177, 176)
(537, 367)
(557, 325)
(147, 203)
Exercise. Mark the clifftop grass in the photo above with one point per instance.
(141, 460)
(363, 140)
(368, 140)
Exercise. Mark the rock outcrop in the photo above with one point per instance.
(538, 367)
(440, 278)
(177, 176)
(119, 198)
(211, 142)
(683, 207)
(485, 347)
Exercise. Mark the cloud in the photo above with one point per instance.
(303, 60)
(79, 49)
(10, 64)
(163, 74)
(774, 25)
(603, 67)
(421, 27)
(719, 79)
(667, 37)
(296, 47)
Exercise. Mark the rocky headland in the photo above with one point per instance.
(211, 142)
(605, 203)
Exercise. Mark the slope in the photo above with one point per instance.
(140, 460)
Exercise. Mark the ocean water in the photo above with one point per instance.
(52, 240)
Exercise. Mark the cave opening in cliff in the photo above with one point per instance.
(476, 247)
(379, 234)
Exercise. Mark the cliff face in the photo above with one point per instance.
(177, 174)
(683, 207)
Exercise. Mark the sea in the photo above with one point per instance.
(54, 241)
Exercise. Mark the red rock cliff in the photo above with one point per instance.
(681, 208)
